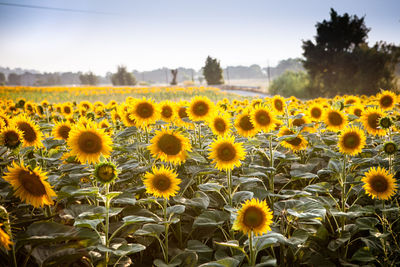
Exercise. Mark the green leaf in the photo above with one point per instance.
(364, 254)
(210, 187)
(136, 219)
(366, 223)
(225, 262)
(242, 196)
(267, 261)
(92, 224)
(151, 229)
(230, 244)
(211, 218)
(335, 244)
(199, 247)
(323, 187)
(126, 249)
(112, 195)
(298, 237)
(176, 209)
(173, 263)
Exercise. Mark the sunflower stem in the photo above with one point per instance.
(9, 232)
(199, 135)
(107, 204)
(271, 173)
(229, 177)
(343, 184)
(166, 231)
(252, 254)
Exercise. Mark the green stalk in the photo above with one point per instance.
(252, 252)
(229, 177)
(166, 231)
(107, 222)
(343, 184)
(271, 174)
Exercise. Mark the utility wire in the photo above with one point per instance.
(58, 9)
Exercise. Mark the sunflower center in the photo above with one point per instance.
(253, 217)
(145, 110)
(263, 118)
(226, 152)
(350, 101)
(245, 123)
(316, 113)
(90, 142)
(31, 183)
(12, 139)
(182, 112)
(294, 141)
(129, 120)
(357, 112)
(390, 148)
(335, 118)
(298, 122)
(386, 101)
(220, 125)
(29, 132)
(373, 121)
(166, 112)
(63, 131)
(351, 140)
(278, 104)
(106, 173)
(67, 110)
(161, 182)
(379, 183)
(200, 108)
(169, 144)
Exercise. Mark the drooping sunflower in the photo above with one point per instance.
(127, 118)
(386, 100)
(88, 144)
(144, 112)
(61, 130)
(244, 126)
(182, 115)
(262, 118)
(351, 141)
(254, 216)
(226, 154)
(31, 131)
(378, 183)
(170, 146)
(106, 126)
(278, 104)
(357, 110)
(316, 112)
(335, 120)
(220, 124)
(105, 172)
(167, 110)
(11, 137)
(5, 118)
(115, 116)
(86, 105)
(5, 241)
(296, 143)
(200, 108)
(302, 121)
(162, 182)
(30, 185)
(370, 120)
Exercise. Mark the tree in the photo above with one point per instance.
(14, 79)
(2, 78)
(174, 74)
(341, 62)
(290, 83)
(123, 77)
(88, 78)
(212, 71)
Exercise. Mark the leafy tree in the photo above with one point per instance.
(2, 78)
(14, 79)
(340, 61)
(88, 78)
(289, 84)
(123, 77)
(212, 71)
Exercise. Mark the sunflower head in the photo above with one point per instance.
(226, 154)
(5, 241)
(315, 112)
(385, 122)
(30, 185)
(144, 112)
(11, 137)
(61, 130)
(378, 183)
(220, 124)
(278, 104)
(295, 143)
(351, 141)
(105, 172)
(386, 100)
(335, 120)
(200, 108)
(370, 119)
(254, 216)
(390, 148)
(167, 110)
(262, 118)
(31, 131)
(244, 126)
(162, 182)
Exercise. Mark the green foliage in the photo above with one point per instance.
(212, 71)
(290, 84)
(88, 78)
(2, 78)
(341, 62)
(123, 77)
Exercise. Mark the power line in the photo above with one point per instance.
(58, 9)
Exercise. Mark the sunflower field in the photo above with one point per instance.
(212, 180)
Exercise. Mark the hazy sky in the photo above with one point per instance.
(150, 34)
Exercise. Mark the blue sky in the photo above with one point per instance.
(150, 34)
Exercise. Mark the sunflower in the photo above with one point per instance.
(30, 185)
(386, 100)
(105, 172)
(167, 110)
(85, 105)
(32, 134)
(385, 122)
(11, 137)
(170, 146)
(296, 143)
(226, 154)
(351, 141)
(370, 120)
(357, 110)
(67, 109)
(378, 183)
(390, 148)
(254, 216)
(126, 117)
(262, 118)
(220, 124)
(244, 126)
(316, 112)
(5, 241)
(200, 108)
(278, 104)
(61, 130)
(115, 116)
(335, 120)
(301, 121)
(5, 119)
(162, 182)
(87, 144)
(144, 112)
(183, 117)
(105, 124)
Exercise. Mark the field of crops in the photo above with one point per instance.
(212, 180)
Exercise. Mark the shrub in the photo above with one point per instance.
(290, 84)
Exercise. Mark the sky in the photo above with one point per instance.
(99, 35)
